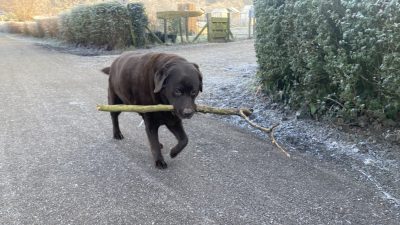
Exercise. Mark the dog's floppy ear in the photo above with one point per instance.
(200, 77)
(159, 79)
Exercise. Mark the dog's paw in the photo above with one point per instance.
(173, 153)
(118, 136)
(161, 164)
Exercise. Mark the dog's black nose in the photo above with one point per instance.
(187, 113)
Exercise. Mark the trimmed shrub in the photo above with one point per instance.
(31, 29)
(43, 27)
(48, 26)
(139, 21)
(14, 27)
(65, 28)
(3, 27)
(339, 57)
(103, 25)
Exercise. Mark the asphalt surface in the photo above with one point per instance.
(60, 165)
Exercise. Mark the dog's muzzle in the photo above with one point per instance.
(187, 113)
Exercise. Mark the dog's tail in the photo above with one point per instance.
(106, 70)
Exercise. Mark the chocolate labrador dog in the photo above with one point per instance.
(151, 79)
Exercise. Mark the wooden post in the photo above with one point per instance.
(209, 31)
(180, 29)
(249, 24)
(187, 26)
(154, 36)
(228, 26)
(198, 35)
(165, 31)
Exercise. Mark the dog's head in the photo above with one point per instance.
(179, 84)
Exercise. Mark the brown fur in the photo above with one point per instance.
(151, 79)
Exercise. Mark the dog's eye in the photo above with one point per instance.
(193, 93)
(178, 92)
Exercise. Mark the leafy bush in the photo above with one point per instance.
(14, 27)
(109, 25)
(339, 57)
(139, 21)
(30, 29)
(44, 27)
(104, 25)
(47, 26)
(65, 28)
(3, 27)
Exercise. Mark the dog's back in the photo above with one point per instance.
(132, 76)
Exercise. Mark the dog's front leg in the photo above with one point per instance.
(152, 134)
(179, 133)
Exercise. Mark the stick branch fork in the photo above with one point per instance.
(243, 112)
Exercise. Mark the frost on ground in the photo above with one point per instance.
(378, 162)
(230, 81)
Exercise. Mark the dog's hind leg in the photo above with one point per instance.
(114, 100)
(179, 133)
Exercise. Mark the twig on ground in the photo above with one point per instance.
(333, 100)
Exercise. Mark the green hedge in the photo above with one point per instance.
(139, 21)
(31, 29)
(104, 25)
(338, 57)
(47, 27)
(42, 27)
(14, 27)
(110, 25)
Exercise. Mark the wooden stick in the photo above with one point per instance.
(276, 143)
(158, 108)
(135, 108)
(269, 131)
(244, 113)
(201, 31)
(154, 36)
(223, 111)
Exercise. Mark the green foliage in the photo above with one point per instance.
(109, 25)
(339, 57)
(31, 29)
(47, 27)
(14, 27)
(139, 21)
(41, 27)
(104, 25)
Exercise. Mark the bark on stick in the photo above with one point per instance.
(160, 108)
(244, 113)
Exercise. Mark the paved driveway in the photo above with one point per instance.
(60, 165)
